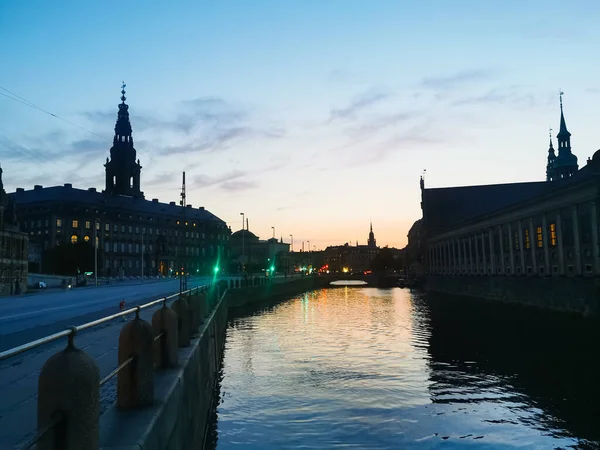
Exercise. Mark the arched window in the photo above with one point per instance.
(73, 239)
(86, 238)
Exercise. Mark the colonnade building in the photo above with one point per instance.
(543, 229)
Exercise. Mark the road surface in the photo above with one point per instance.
(29, 317)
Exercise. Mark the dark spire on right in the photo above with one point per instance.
(565, 164)
(371, 242)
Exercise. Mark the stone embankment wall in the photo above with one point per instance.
(577, 295)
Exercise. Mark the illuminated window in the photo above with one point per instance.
(74, 239)
(75, 223)
(97, 225)
(178, 222)
(58, 223)
(88, 224)
(540, 237)
(527, 242)
(86, 238)
(552, 234)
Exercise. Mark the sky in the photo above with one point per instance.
(314, 117)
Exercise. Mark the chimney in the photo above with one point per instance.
(172, 203)
(92, 189)
(154, 200)
(20, 190)
(201, 208)
(37, 187)
(68, 185)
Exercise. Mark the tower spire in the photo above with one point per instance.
(563, 133)
(564, 164)
(122, 170)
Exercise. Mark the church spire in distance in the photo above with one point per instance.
(371, 242)
(551, 159)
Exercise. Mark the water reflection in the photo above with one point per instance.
(379, 369)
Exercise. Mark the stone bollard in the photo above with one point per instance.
(135, 381)
(165, 349)
(182, 309)
(69, 385)
(204, 306)
(194, 300)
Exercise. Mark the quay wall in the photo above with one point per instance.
(184, 395)
(576, 295)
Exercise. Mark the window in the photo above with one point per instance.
(137, 248)
(130, 248)
(86, 238)
(97, 225)
(130, 229)
(540, 237)
(39, 223)
(527, 242)
(552, 234)
(88, 225)
(75, 223)
(137, 230)
(130, 263)
(73, 239)
(106, 263)
(58, 223)
(46, 222)
(122, 228)
(123, 247)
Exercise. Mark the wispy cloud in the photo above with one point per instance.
(360, 103)
(514, 95)
(453, 81)
(240, 185)
(375, 125)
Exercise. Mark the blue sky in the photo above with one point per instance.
(310, 116)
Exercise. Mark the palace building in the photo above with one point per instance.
(130, 231)
(534, 229)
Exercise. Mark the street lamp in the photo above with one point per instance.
(308, 245)
(96, 222)
(273, 228)
(292, 238)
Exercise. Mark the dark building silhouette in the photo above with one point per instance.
(351, 258)
(546, 228)
(123, 171)
(13, 248)
(565, 164)
(371, 242)
(131, 232)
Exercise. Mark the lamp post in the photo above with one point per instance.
(292, 238)
(96, 222)
(142, 248)
(308, 245)
(243, 265)
(273, 228)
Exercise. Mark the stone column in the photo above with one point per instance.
(464, 246)
(595, 249)
(449, 253)
(471, 262)
(521, 247)
(559, 241)
(532, 245)
(476, 239)
(454, 256)
(491, 239)
(502, 268)
(576, 240)
(546, 241)
(483, 254)
(511, 242)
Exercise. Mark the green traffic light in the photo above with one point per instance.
(272, 268)
(216, 269)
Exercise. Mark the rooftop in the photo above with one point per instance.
(91, 197)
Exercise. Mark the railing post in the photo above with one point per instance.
(135, 381)
(182, 309)
(194, 304)
(69, 385)
(165, 349)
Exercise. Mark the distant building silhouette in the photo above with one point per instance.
(132, 232)
(371, 242)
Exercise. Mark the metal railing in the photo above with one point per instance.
(71, 332)
(57, 423)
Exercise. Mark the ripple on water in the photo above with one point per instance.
(376, 369)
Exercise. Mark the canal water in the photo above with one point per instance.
(366, 368)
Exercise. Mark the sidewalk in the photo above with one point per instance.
(19, 378)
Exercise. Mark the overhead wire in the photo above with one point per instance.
(18, 98)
